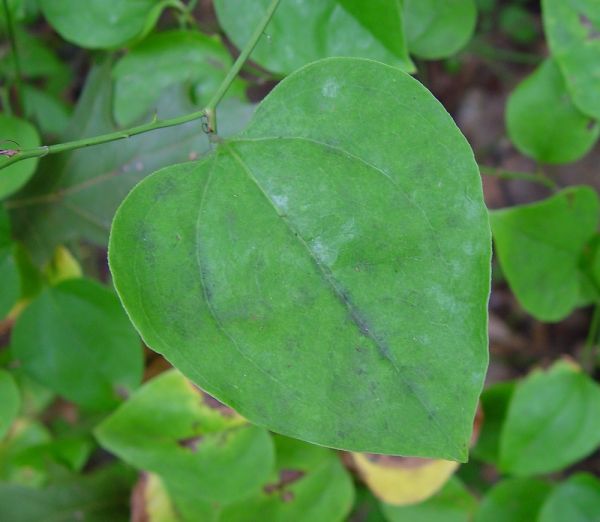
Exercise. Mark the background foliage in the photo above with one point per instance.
(377, 225)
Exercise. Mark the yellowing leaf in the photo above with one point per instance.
(62, 266)
(403, 480)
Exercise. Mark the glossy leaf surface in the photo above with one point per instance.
(303, 31)
(101, 24)
(10, 401)
(575, 500)
(572, 28)
(326, 273)
(560, 135)
(25, 136)
(540, 247)
(453, 503)
(553, 421)
(168, 427)
(76, 339)
(438, 28)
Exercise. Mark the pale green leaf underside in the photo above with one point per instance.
(327, 272)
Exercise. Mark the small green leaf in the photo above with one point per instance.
(149, 68)
(169, 428)
(10, 401)
(384, 19)
(319, 274)
(575, 500)
(495, 401)
(310, 484)
(560, 135)
(453, 503)
(102, 24)
(438, 29)
(22, 135)
(553, 421)
(303, 31)
(100, 497)
(76, 339)
(513, 500)
(572, 28)
(540, 246)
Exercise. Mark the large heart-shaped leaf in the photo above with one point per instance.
(326, 273)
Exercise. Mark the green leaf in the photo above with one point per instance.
(310, 484)
(149, 68)
(576, 500)
(76, 339)
(540, 246)
(19, 461)
(572, 28)
(453, 503)
(560, 135)
(22, 135)
(513, 500)
(102, 24)
(519, 24)
(319, 274)
(169, 428)
(75, 195)
(303, 31)
(101, 497)
(495, 401)
(10, 401)
(553, 421)
(9, 274)
(438, 29)
(384, 19)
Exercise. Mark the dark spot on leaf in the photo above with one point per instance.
(190, 443)
(592, 125)
(287, 496)
(286, 478)
(592, 31)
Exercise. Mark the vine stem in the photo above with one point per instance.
(538, 178)
(209, 111)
